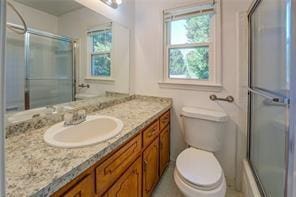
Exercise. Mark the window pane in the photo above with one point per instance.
(189, 63)
(101, 65)
(102, 41)
(194, 29)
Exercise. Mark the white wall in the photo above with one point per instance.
(149, 66)
(34, 18)
(75, 24)
(123, 15)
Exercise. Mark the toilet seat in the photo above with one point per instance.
(199, 169)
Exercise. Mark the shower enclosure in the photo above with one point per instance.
(39, 69)
(271, 134)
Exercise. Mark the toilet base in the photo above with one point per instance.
(190, 191)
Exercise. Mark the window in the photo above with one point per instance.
(192, 45)
(99, 53)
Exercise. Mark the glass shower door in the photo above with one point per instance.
(268, 143)
(49, 78)
(15, 71)
(269, 92)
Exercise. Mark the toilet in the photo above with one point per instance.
(198, 172)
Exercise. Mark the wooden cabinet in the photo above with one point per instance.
(83, 188)
(150, 167)
(129, 184)
(164, 149)
(111, 169)
(132, 170)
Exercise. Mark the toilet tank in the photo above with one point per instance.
(204, 129)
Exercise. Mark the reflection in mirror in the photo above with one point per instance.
(68, 53)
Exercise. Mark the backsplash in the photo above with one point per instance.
(89, 105)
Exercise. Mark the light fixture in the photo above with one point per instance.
(112, 3)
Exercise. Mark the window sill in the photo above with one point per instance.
(191, 86)
(100, 79)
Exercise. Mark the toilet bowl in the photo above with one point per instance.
(199, 174)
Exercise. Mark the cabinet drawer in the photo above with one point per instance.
(150, 133)
(109, 171)
(164, 120)
(84, 188)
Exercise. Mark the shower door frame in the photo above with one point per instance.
(2, 90)
(291, 155)
(291, 137)
(254, 6)
(31, 31)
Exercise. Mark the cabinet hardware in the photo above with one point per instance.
(145, 165)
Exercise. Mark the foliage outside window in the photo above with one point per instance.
(100, 47)
(189, 44)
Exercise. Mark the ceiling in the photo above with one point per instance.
(53, 7)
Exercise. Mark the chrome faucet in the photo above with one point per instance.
(52, 108)
(74, 118)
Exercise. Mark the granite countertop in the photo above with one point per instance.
(35, 169)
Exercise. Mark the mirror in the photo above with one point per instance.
(69, 53)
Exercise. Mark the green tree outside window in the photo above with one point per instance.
(192, 62)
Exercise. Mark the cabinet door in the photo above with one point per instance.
(150, 167)
(129, 184)
(111, 169)
(164, 146)
(84, 188)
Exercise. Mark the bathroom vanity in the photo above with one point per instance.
(136, 164)
(132, 161)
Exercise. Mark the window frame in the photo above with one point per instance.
(214, 44)
(90, 53)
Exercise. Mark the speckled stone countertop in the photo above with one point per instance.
(35, 169)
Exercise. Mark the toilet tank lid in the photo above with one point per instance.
(205, 114)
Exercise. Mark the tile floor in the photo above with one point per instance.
(167, 187)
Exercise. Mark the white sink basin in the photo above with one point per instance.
(94, 130)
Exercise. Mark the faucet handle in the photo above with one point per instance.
(68, 118)
(82, 114)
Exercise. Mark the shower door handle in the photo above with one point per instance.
(271, 99)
